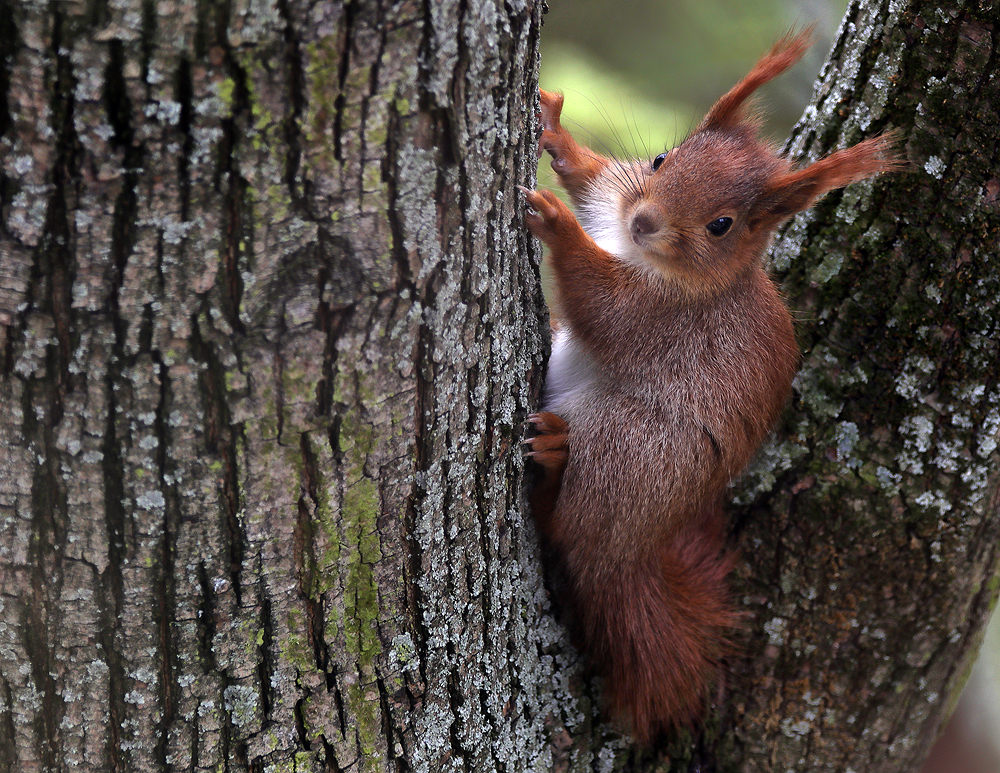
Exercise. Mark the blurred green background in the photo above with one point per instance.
(638, 75)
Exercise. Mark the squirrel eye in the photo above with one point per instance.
(658, 160)
(720, 226)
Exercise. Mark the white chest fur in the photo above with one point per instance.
(571, 374)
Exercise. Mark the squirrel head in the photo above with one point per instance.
(704, 211)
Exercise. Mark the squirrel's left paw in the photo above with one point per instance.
(554, 137)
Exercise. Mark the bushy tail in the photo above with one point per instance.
(659, 632)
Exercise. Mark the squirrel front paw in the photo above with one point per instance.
(575, 164)
(559, 143)
(552, 131)
(549, 218)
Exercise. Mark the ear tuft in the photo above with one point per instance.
(729, 110)
(794, 191)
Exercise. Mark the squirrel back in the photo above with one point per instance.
(675, 359)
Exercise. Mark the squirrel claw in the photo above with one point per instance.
(546, 214)
(550, 447)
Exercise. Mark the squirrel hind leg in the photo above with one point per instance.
(550, 450)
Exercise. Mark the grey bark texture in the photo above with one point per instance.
(871, 527)
(264, 291)
(269, 327)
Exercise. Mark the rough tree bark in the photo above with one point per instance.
(268, 320)
(263, 367)
(872, 556)
(869, 527)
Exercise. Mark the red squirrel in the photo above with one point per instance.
(673, 358)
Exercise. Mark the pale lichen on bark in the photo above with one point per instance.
(276, 339)
(882, 526)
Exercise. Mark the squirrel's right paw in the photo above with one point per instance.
(552, 104)
(577, 166)
(548, 218)
(550, 447)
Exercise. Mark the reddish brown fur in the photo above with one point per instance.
(550, 449)
(730, 110)
(679, 358)
(577, 166)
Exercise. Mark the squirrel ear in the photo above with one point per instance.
(728, 111)
(794, 191)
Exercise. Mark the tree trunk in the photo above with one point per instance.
(869, 527)
(263, 367)
(872, 531)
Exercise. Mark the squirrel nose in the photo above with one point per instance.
(642, 224)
